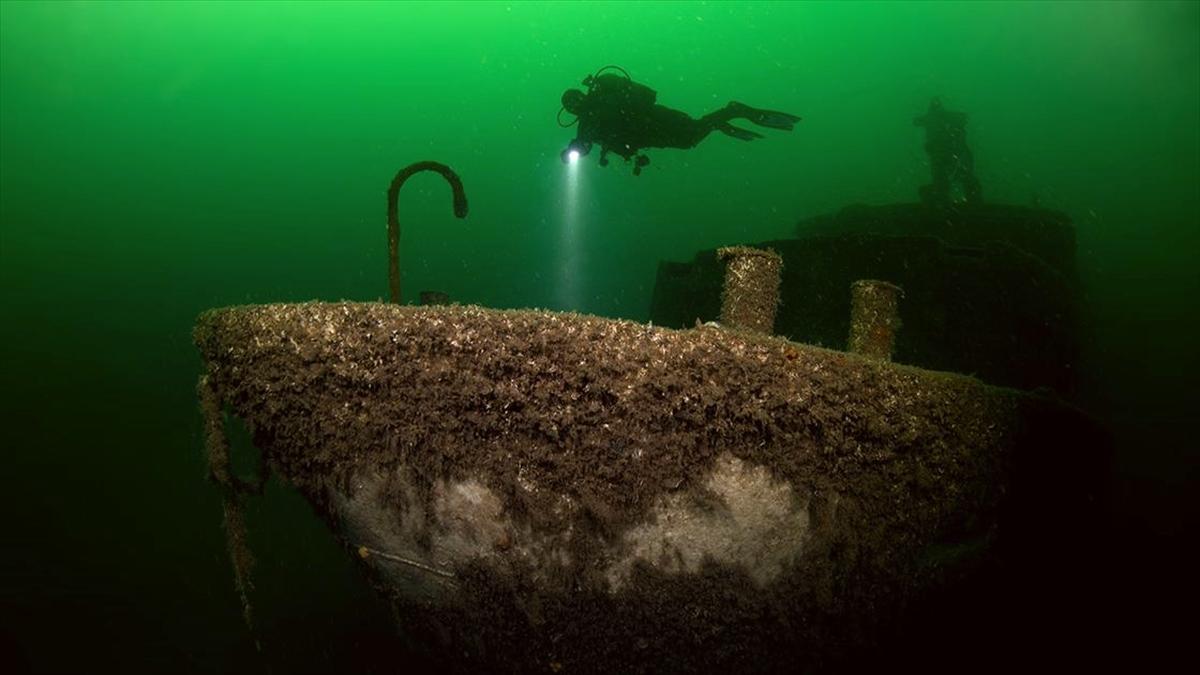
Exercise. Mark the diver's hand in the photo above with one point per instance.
(582, 148)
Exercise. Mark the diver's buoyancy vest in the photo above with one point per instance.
(615, 90)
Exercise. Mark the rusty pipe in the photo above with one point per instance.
(874, 318)
(751, 293)
(393, 218)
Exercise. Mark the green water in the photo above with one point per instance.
(158, 159)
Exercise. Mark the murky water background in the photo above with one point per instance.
(158, 159)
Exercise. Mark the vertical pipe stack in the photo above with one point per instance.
(751, 293)
(874, 318)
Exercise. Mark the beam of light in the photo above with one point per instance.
(569, 258)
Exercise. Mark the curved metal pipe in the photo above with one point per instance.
(393, 218)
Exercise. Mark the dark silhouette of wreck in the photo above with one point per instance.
(990, 290)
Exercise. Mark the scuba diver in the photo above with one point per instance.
(950, 160)
(621, 116)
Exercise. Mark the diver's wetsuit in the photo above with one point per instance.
(622, 117)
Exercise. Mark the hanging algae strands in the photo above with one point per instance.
(233, 490)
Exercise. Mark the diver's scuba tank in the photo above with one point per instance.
(636, 95)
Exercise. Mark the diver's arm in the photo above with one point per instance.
(580, 143)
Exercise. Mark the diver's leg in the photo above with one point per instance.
(718, 117)
(972, 191)
(697, 130)
(939, 187)
(926, 194)
(668, 128)
(718, 120)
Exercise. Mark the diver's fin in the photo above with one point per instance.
(767, 118)
(740, 134)
(775, 120)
